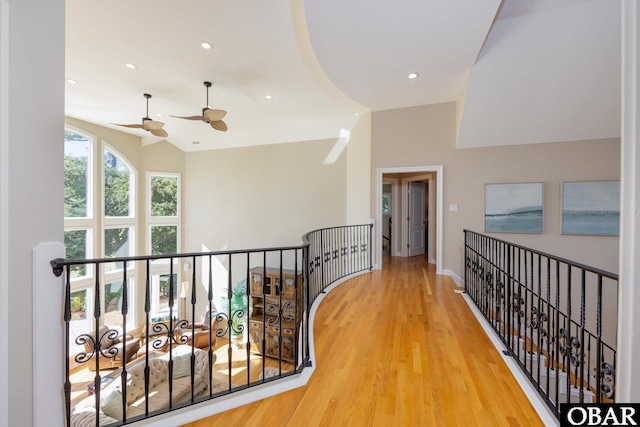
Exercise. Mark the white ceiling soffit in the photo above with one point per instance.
(549, 71)
(258, 49)
(368, 48)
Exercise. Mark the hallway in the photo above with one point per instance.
(396, 347)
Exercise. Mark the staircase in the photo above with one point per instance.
(556, 318)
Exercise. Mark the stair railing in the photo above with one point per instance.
(556, 317)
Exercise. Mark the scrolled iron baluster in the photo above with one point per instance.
(607, 373)
(177, 336)
(174, 335)
(277, 313)
(488, 277)
(536, 320)
(83, 356)
(234, 323)
(571, 349)
(516, 305)
(108, 353)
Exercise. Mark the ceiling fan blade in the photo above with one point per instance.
(159, 132)
(189, 117)
(219, 125)
(129, 126)
(152, 125)
(213, 115)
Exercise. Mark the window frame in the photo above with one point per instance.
(163, 266)
(114, 222)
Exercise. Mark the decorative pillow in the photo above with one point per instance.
(181, 365)
(112, 404)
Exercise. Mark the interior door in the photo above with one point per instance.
(416, 218)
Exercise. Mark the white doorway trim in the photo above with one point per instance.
(394, 249)
(438, 170)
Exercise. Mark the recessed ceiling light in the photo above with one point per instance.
(412, 76)
(73, 82)
(205, 45)
(158, 115)
(268, 96)
(130, 65)
(356, 114)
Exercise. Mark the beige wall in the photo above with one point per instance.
(358, 165)
(262, 196)
(425, 136)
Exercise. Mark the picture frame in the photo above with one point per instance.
(591, 208)
(513, 208)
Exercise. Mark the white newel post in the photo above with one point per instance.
(48, 337)
(628, 368)
(4, 213)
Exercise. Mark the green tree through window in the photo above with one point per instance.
(164, 196)
(117, 183)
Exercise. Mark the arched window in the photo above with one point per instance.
(118, 236)
(97, 226)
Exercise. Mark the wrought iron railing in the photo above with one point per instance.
(125, 362)
(557, 318)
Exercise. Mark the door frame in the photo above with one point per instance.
(438, 170)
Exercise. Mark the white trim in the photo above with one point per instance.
(171, 221)
(395, 209)
(253, 394)
(439, 208)
(48, 351)
(628, 369)
(457, 279)
(91, 179)
(4, 213)
(548, 418)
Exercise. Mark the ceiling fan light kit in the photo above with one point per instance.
(149, 125)
(209, 115)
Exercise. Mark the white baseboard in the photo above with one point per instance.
(545, 414)
(432, 260)
(457, 279)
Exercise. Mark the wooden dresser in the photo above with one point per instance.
(275, 307)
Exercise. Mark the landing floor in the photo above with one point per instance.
(396, 347)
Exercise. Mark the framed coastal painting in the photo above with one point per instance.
(591, 207)
(513, 208)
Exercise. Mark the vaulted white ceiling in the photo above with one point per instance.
(547, 70)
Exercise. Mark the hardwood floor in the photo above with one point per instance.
(396, 347)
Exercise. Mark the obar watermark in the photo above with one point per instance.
(604, 414)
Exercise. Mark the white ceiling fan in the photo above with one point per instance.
(209, 115)
(147, 124)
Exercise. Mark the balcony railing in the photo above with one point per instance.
(141, 352)
(557, 318)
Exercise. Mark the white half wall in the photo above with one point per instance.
(628, 369)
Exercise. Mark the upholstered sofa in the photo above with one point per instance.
(111, 410)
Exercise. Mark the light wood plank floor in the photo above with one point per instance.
(396, 347)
